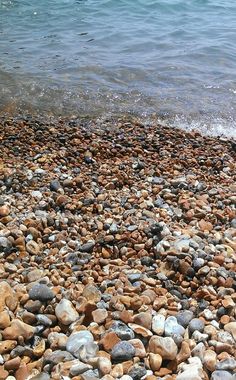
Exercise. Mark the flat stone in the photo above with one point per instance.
(65, 312)
(122, 351)
(143, 319)
(41, 292)
(140, 351)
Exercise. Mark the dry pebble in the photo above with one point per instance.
(117, 251)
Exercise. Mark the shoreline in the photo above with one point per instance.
(120, 235)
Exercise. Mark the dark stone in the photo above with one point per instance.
(122, 351)
(137, 372)
(41, 292)
(184, 317)
(55, 185)
(122, 330)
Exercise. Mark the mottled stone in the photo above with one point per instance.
(78, 339)
(122, 351)
(165, 347)
(41, 293)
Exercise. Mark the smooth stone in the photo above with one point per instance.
(165, 347)
(192, 370)
(104, 365)
(231, 328)
(122, 330)
(5, 245)
(18, 328)
(158, 324)
(34, 275)
(172, 327)
(222, 375)
(6, 294)
(4, 320)
(78, 367)
(184, 317)
(155, 361)
(77, 340)
(196, 325)
(140, 351)
(199, 350)
(41, 292)
(55, 185)
(209, 360)
(41, 376)
(58, 356)
(137, 372)
(92, 293)
(88, 351)
(65, 312)
(226, 365)
(87, 247)
(122, 351)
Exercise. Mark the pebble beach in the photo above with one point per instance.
(117, 251)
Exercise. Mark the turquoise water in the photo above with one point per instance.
(175, 59)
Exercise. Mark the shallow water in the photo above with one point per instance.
(172, 58)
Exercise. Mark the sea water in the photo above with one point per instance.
(170, 59)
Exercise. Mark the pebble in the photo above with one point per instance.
(165, 347)
(172, 327)
(196, 325)
(122, 351)
(65, 312)
(222, 375)
(77, 340)
(41, 292)
(184, 317)
(115, 271)
(158, 324)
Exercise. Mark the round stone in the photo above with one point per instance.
(41, 293)
(122, 351)
(184, 317)
(196, 325)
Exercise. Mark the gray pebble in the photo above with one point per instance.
(122, 330)
(227, 364)
(122, 351)
(41, 292)
(137, 372)
(196, 325)
(184, 317)
(5, 245)
(222, 375)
